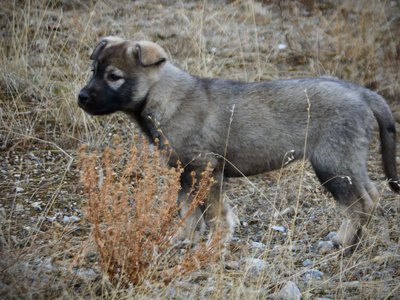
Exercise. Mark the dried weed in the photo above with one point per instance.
(132, 206)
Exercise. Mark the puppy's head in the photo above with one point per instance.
(123, 73)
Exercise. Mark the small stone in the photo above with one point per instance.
(313, 274)
(2, 213)
(325, 247)
(289, 291)
(86, 274)
(19, 207)
(254, 265)
(307, 263)
(71, 219)
(279, 228)
(91, 256)
(258, 246)
(331, 235)
(19, 189)
(213, 50)
(289, 211)
(232, 265)
(51, 219)
(36, 205)
(282, 46)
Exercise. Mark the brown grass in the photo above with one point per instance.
(132, 206)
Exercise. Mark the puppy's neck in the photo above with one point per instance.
(167, 94)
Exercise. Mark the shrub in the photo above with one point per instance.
(132, 206)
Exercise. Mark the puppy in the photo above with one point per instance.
(247, 128)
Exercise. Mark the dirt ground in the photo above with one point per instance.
(284, 217)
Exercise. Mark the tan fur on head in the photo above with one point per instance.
(112, 40)
(105, 43)
(150, 53)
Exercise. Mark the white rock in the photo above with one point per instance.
(36, 205)
(331, 235)
(325, 247)
(19, 189)
(51, 219)
(232, 265)
(282, 46)
(2, 213)
(254, 265)
(278, 228)
(72, 219)
(290, 291)
(257, 245)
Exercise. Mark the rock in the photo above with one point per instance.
(232, 265)
(19, 207)
(313, 274)
(331, 235)
(281, 248)
(2, 213)
(36, 205)
(289, 211)
(86, 274)
(279, 228)
(72, 219)
(289, 291)
(51, 219)
(91, 256)
(19, 189)
(307, 263)
(325, 247)
(257, 245)
(254, 266)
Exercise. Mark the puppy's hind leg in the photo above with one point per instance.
(359, 212)
(374, 195)
(346, 190)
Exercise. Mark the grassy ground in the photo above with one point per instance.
(45, 249)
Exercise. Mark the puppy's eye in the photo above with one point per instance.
(93, 68)
(113, 77)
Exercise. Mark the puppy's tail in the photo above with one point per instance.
(387, 133)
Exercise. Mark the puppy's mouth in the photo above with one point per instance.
(95, 111)
(86, 103)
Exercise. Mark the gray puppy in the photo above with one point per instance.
(247, 128)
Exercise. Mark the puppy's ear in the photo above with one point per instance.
(109, 40)
(150, 54)
(96, 52)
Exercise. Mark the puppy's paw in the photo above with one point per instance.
(348, 236)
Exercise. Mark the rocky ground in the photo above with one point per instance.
(281, 246)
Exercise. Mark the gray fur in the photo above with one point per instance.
(325, 120)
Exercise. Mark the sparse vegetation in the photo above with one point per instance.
(134, 214)
(46, 249)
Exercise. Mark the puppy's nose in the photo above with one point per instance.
(83, 97)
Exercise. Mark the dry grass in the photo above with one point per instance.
(44, 50)
(134, 214)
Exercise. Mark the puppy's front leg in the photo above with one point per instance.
(193, 222)
(218, 214)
